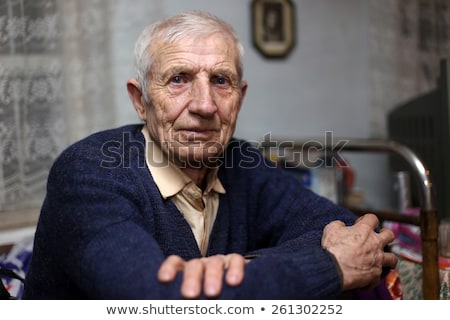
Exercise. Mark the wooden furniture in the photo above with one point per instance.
(428, 218)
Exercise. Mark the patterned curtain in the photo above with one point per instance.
(55, 88)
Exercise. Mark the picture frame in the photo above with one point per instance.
(273, 27)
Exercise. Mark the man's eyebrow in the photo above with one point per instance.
(226, 66)
(227, 71)
(177, 68)
(224, 69)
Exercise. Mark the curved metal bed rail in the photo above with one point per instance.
(428, 218)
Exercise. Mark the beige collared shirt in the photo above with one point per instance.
(199, 207)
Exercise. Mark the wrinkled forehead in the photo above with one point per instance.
(205, 43)
(189, 40)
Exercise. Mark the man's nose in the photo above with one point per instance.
(202, 102)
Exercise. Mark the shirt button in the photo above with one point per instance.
(196, 195)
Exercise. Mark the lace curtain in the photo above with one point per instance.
(55, 88)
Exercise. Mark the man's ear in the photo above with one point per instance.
(136, 97)
(244, 86)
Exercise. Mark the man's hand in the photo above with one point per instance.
(359, 251)
(208, 270)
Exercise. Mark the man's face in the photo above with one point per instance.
(195, 98)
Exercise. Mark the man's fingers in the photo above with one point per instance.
(389, 260)
(233, 265)
(387, 235)
(235, 272)
(192, 280)
(213, 275)
(205, 274)
(369, 219)
(169, 268)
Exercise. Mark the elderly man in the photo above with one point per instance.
(178, 208)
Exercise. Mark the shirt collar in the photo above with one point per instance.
(169, 179)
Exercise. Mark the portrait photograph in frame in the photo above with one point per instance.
(273, 27)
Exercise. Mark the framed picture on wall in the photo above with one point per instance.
(273, 27)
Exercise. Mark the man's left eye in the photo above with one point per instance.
(220, 80)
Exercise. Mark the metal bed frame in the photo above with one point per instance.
(428, 218)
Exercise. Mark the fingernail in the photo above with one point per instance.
(232, 279)
(211, 290)
(164, 276)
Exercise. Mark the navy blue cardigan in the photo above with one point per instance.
(104, 228)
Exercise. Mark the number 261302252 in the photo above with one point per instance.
(306, 309)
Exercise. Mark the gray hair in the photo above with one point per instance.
(173, 29)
